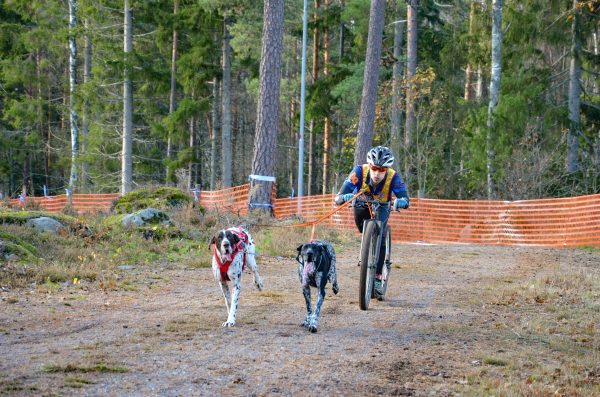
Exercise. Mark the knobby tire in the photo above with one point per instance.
(387, 267)
(368, 263)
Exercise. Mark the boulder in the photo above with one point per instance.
(46, 224)
(147, 216)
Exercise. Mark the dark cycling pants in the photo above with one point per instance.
(360, 215)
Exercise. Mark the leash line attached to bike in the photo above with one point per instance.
(319, 220)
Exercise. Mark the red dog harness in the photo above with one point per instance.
(236, 249)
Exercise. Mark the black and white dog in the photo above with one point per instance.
(232, 249)
(316, 266)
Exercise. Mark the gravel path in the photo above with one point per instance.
(164, 337)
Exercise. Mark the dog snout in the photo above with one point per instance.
(310, 256)
(226, 247)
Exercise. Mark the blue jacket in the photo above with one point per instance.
(354, 181)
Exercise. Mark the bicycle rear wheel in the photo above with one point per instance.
(387, 265)
(368, 259)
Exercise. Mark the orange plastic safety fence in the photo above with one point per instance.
(234, 199)
(562, 222)
(80, 203)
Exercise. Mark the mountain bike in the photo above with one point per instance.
(370, 247)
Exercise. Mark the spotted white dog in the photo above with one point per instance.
(233, 248)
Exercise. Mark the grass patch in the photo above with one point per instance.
(21, 217)
(163, 198)
(188, 326)
(494, 361)
(78, 383)
(548, 335)
(52, 261)
(201, 264)
(98, 368)
(16, 245)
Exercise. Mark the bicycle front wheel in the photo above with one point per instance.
(387, 265)
(368, 260)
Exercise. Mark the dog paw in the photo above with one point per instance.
(312, 328)
(259, 285)
(335, 289)
(228, 323)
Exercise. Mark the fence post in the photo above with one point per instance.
(196, 192)
(265, 179)
(69, 203)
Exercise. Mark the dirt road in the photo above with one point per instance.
(160, 332)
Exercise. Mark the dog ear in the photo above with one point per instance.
(300, 247)
(213, 241)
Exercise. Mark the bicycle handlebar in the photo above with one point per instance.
(375, 203)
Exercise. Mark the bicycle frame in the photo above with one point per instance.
(373, 206)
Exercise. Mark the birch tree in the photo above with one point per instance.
(267, 117)
(173, 91)
(85, 122)
(494, 92)
(72, 88)
(366, 122)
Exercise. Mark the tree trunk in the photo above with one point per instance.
(311, 128)
(396, 121)
(411, 70)
(48, 133)
(126, 154)
(267, 114)
(85, 122)
(226, 98)
(214, 133)
(191, 159)
(595, 85)
(311, 158)
(574, 93)
(494, 93)
(172, 94)
(469, 85)
(293, 75)
(327, 121)
(366, 122)
(72, 88)
(40, 111)
(479, 85)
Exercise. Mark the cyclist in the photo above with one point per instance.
(379, 181)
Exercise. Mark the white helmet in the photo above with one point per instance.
(380, 156)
